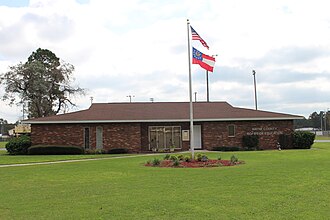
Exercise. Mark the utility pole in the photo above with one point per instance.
(195, 96)
(321, 117)
(130, 97)
(255, 89)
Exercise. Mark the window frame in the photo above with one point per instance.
(87, 145)
(231, 130)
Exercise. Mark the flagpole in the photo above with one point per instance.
(207, 86)
(190, 96)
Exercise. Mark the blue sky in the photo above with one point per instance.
(139, 48)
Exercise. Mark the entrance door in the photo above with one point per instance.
(197, 137)
(164, 137)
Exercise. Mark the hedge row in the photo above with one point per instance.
(55, 150)
(298, 140)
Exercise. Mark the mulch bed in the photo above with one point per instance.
(196, 164)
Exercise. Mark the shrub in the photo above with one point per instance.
(155, 162)
(251, 142)
(19, 145)
(225, 148)
(54, 150)
(187, 158)
(176, 163)
(118, 151)
(180, 157)
(303, 139)
(173, 158)
(219, 157)
(285, 141)
(233, 159)
(167, 157)
(202, 157)
(199, 157)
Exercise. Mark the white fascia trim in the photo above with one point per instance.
(161, 120)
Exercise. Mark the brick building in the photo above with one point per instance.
(141, 127)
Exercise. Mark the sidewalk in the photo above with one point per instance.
(72, 161)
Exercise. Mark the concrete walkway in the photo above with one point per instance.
(322, 141)
(72, 161)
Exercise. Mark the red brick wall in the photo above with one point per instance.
(134, 136)
(114, 135)
(215, 134)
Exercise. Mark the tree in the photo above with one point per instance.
(43, 82)
(3, 122)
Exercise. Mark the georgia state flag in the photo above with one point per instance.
(205, 61)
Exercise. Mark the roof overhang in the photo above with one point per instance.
(161, 120)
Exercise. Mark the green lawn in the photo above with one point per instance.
(322, 137)
(291, 184)
(19, 159)
(3, 144)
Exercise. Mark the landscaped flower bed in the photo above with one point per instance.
(187, 162)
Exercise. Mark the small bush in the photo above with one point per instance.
(54, 150)
(19, 145)
(167, 157)
(225, 148)
(303, 139)
(198, 157)
(187, 158)
(173, 158)
(118, 151)
(202, 157)
(233, 159)
(155, 162)
(176, 163)
(180, 157)
(251, 142)
(219, 157)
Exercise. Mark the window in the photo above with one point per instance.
(231, 130)
(99, 137)
(164, 137)
(86, 138)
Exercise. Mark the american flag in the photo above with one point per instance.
(195, 36)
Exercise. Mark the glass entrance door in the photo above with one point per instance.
(164, 137)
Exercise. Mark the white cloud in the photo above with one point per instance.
(140, 48)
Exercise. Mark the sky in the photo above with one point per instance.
(140, 48)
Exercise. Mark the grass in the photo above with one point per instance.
(322, 137)
(291, 184)
(3, 144)
(22, 159)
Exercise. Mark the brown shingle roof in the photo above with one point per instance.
(161, 111)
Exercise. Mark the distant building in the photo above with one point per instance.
(142, 127)
(20, 129)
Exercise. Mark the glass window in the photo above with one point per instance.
(99, 137)
(164, 137)
(86, 138)
(231, 130)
